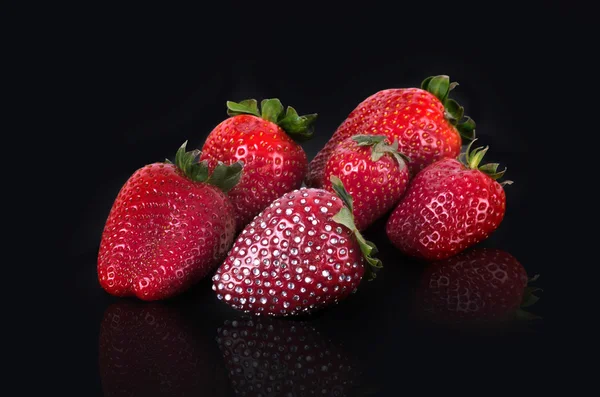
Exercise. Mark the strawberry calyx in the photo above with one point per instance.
(225, 177)
(299, 128)
(529, 299)
(380, 148)
(345, 217)
(440, 86)
(472, 158)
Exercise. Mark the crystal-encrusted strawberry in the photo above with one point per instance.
(302, 253)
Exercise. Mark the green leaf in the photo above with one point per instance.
(473, 157)
(225, 177)
(476, 156)
(180, 156)
(425, 83)
(529, 297)
(247, 106)
(368, 140)
(401, 159)
(187, 162)
(184, 160)
(368, 250)
(345, 217)
(466, 129)
(533, 279)
(497, 175)
(526, 316)
(271, 109)
(340, 190)
(489, 168)
(438, 86)
(454, 112)
(378, 151)
(381, 148)
(298, 127)
(200, 172)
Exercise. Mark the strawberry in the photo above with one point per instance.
(303, 252)
(150, 350)
(448, 207)
(427, 124)
(169, 226)
(480, 285)
(272, 357)
(264, 141)
(374, 173)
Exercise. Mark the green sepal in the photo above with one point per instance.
(342, 193)
(380, 148)
(271, 109)
(466, 129)
(247, 106)
(524, 315)
(472, 158)
(345, 217)
(188, 163)
(454, 111)
(223, 176)
(299, 128)
(529, 296)
(368, 140)
(400, 157)
(529, 299)
(440, 86)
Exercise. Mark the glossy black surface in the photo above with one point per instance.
(136, 100)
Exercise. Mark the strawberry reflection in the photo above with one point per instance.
(148, 350)
(275, 357)
(478, 287)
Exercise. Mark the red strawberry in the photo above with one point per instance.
(149, 350)
(301, 253)
(273, 163)
(374, 173)
(426, 123)
(269, 357)
(448, 207)
(480, 285)
(169, 226)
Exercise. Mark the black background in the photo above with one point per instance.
(122, 89)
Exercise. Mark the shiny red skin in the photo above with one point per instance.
(375, 186)
(164, 233)
(478, 285)
(413, 116)
(273, 163)
(149, 350)
(446, 209)
(273, 357)
(291, 258)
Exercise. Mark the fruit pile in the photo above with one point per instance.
(238, 206)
